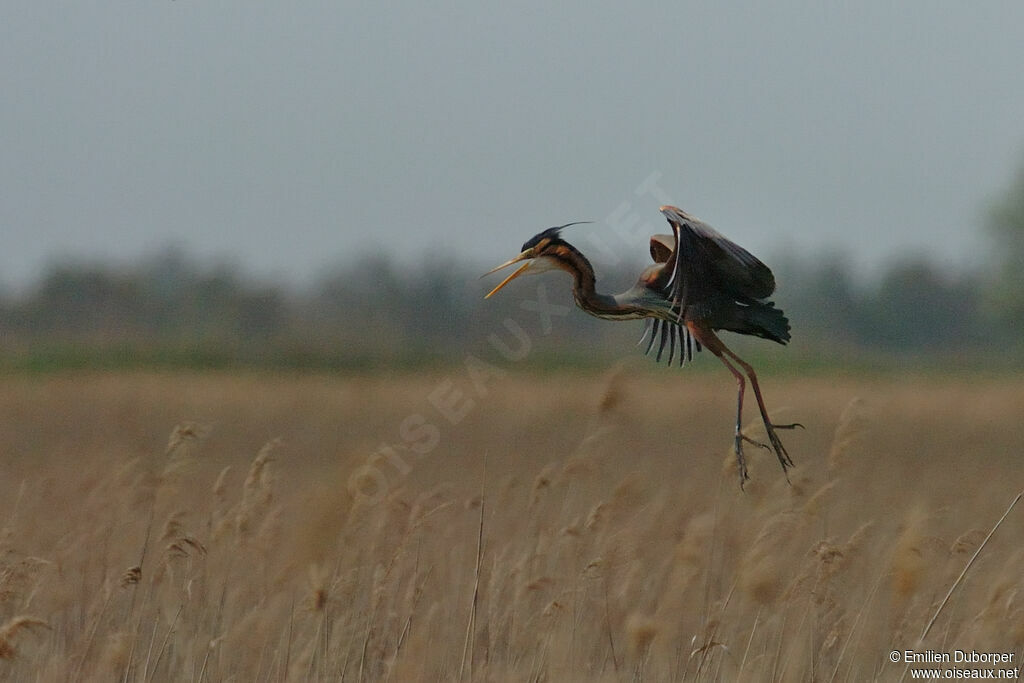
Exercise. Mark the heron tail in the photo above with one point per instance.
(762, 319)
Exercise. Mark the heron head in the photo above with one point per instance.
(540, 254)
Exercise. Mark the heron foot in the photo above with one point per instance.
(778, 447)
(756, 443)
(741, 462)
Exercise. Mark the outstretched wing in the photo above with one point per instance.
(704, 258)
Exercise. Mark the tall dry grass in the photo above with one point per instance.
(170, 528)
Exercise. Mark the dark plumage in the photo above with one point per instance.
(700, 282)
(721, 283)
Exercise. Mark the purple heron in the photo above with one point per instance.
(700, 282)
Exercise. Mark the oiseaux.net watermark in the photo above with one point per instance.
(957, 664)
(455, 397)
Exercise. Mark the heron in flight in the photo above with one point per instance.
(700, 282)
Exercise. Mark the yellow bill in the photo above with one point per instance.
(518, 271)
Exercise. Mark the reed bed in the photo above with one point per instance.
(214, 528)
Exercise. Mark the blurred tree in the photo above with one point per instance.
(260, 315)
(918, 307)
(820, 298)
(357, 307)
(85, 300)
(1005, 291)
(375, 310)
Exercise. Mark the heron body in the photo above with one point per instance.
(700, 282)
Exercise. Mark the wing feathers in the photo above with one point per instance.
(702, 255)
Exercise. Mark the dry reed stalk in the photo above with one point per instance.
(847, 438)
(542, 483)
(763, 569)
(257, 491)
(818, 502)
(149, 650)
(206, 659)
(220, 485)
(612, 393)
(8, 529)
(608, 626)
(636, 544)
(12, 627)
(779, 672)
(92, 634)
(696, 550)
(860, 613)
(217, 521)
(317, 575)
(184, 434)
(778, 648)
(641, 631)
(470, 642)
(960, 578)
(115, 654)
(179, 456)
(131, 576)
(746, 650)
(966, 541)
(163, 645)
(313, 650)
(256, 479)
(908, 563)
(711, 631)
(856, 539)
(289, 638)
(414, 599)
(382, 575)
(173, 526)
(849, 432)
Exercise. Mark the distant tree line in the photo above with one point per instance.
(373, 313)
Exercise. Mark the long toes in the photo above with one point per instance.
(756, 443)
(741, 462)
(784, 458)
(781, 452)
(794, 425)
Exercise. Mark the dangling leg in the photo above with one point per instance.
(711, 341)
(741, 462)
(780, 450)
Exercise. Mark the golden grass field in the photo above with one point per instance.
(216, 527)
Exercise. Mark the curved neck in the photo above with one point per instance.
(584, 289)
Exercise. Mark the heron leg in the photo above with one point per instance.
(738, 438)
(777, 445)
(702, 334)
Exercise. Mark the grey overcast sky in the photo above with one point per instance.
(285, 137)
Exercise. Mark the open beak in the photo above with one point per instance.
(525, 256)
